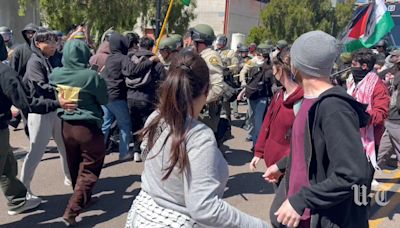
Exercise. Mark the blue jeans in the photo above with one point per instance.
(118, 110)
(256, 117)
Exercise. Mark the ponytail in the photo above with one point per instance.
(187, 78)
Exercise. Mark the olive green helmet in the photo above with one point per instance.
(346, 57)
(282, 44)
(178, 38)
(269, 42)
(169, 43)
(202, 33)
(265, 49)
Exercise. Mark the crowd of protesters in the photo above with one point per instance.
(173, 109)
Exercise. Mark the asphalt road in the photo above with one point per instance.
(120, 183)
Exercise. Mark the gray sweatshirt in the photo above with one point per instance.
(198, 193)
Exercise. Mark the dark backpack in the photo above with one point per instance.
(260, 84)
(136, 83)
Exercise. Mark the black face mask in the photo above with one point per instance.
(358, 74)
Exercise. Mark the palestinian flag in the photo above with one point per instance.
(186, 2)
(369, 25)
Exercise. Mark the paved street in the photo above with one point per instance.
(120, 183)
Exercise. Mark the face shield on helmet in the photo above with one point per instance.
(7, 36)
(221, 42)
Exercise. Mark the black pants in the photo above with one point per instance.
(139, 111)
(12, 187)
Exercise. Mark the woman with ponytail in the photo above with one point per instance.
(184, 174)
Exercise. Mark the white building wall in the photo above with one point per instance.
(211, 12)
(243, 15)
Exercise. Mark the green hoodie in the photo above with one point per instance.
(78, 83)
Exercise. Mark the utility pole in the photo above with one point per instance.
(158, 18)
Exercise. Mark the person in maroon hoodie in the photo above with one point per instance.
(273, 142)
(99, 59)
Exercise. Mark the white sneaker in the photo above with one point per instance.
(137, 157)
(67, 182)
(30, 203)
(29, 195)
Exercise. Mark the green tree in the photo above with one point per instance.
(179, 18)
(288, 19)
(102, 14)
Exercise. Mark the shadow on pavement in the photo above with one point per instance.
(237, 157)
(247, 183)
(389, 210)
(111, 205)
(391, 180)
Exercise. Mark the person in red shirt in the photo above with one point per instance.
(369, 89)
(273, 142)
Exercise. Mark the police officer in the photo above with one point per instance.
(230, 62)
(280, 45)
(381, 47)
(168, 48)
(228, 57)
(7, 35)
(256, 60)
(202, 37)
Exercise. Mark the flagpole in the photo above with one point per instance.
(171, 3)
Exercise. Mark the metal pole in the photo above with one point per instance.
(171, 3)
(158, 18)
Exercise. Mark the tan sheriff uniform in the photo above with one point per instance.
(244, 73)
(230, 60)
(211, 113)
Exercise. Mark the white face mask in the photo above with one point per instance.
(259, 60)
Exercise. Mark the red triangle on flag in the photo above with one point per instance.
(359, 29)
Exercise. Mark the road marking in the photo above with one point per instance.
(374, 223)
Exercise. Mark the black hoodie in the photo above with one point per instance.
(36, 78)
(13, 93)
(23, 52)
(118, 66)
(336, 161)
(147, 93)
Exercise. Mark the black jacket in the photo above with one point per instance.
(336, 161)
(36, 78)
(56, 59)
(23, 52)
(13, 93)
(147, 93)
(118, 66)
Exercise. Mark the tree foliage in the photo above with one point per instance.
(102, 14)
(179, 19)
(288, 19)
